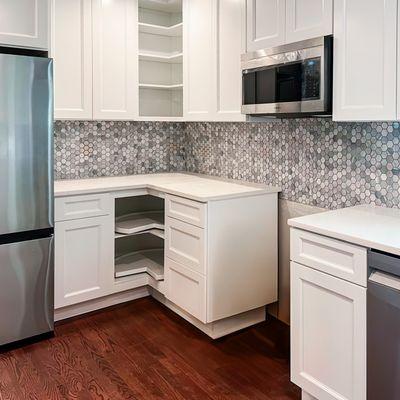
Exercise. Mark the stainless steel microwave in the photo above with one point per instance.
(289, 80)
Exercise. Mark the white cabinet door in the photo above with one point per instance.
(230, 45)
(265, 24)
(84, 260)
(115, 59)
(198, 53)
(306, 19)
(328, 335)
(24, 23)
(365, 60)
(71, 49)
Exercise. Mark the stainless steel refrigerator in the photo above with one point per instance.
(26, 197)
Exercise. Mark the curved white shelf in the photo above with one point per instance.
(156, 232)
(149, 261)
(162, 87)
(172, 31)
(172, 58)
(139, 222)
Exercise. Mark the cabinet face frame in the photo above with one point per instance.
(39, 37)
(355, 346)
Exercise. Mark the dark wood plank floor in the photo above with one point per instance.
(141, 350)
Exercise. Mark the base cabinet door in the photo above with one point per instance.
(24, 23)
(83, 259)
(307, 19)
(328, 335)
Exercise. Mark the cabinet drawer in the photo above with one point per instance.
(186, 210)
(186, 289)
(76, 207)
(185, 244)
(337, 258)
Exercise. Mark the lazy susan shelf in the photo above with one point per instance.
(139, 222)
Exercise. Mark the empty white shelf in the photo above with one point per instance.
(173, 31)
(149, 261)
(173, 58)
(156, 232)
(162, 87)
(139, 222)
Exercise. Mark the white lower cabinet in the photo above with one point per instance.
(84, 259)
(328, 335)
(186, 289)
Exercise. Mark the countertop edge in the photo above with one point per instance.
(346, 238)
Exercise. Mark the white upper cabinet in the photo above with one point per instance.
(71, 48)
(365, 60)
(272, 23)
(265, 24)
(306, 19)
(24, 23)
(198, 44)
(115, 62)
(230, 44)
(214, 39)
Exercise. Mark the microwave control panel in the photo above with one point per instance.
(311, 79)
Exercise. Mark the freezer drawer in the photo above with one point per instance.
(26, 143)
(27, 287)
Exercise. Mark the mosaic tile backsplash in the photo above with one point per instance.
(86, 149)
(315, 161)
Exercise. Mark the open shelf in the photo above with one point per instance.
(163, 87)
(156, 232)
(166, 6)
(139, 222)
(171, 31)
(171, 58)
(150, 261)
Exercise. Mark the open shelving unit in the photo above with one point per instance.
(160, 58)
(139, 239)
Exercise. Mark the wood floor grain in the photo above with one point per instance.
(142, 350)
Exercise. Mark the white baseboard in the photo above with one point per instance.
(103, 302)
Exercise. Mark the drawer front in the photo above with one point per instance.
(186, 210)
(337, 258)
(185, 244)
(76, 207)
(186, 289)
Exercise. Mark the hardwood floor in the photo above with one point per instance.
(142, 350)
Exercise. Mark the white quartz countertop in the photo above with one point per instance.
(192, 186)
(368, 226)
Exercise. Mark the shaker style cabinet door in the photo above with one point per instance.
(71, 49)
(328, 335)
(83, 272)
(307, 19)
(365, 59)
(265, 24)
(24, 23)
(115, 55)
(230, 45)
(198, 53)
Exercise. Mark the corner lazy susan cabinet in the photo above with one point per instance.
(214, 262)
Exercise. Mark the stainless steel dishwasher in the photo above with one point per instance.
(383, 327)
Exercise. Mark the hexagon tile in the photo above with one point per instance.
(86, 149)
(315, 161)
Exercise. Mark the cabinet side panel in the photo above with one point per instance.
(242, 256)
